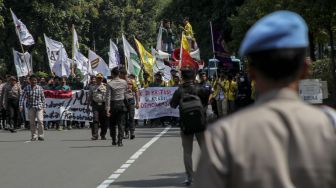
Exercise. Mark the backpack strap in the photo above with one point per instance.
(331, 114)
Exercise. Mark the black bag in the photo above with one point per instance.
(192, 114)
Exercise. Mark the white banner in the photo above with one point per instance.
(310, 91)
(67, 105)
(155, 103)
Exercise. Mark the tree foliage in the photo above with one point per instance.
(96, 21)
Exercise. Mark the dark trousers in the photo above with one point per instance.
(130, 117)
(13, 108)
(3, 118)
(117, 119)
(99, 120)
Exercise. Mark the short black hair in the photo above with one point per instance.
(123, 72)
(279, 65)
(115, 71)
(32, 76)
(188, 73)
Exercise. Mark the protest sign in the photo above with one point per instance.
(154, 103)
(67, 105)
(310, 91)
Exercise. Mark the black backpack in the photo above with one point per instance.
(192, 114)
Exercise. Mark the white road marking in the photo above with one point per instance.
(112, 178)
(27, 141)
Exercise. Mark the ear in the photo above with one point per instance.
(305, 69)
(251, 72)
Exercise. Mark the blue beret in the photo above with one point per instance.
(280, 29)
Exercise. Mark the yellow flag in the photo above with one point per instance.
(185, 43)
(146, 58)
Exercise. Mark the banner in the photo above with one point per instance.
(310, 90)
(67, 105)
(114, 58)
(23, 63)
(154, 103)
(21, 30)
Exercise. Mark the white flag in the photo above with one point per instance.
(82, 63)
(159, 39)
(114, 58)
(21, 30)
(78, 58)
(75, 43)
(53, 50)
(133, 61)
(98, 64)
(196, 54)
(23, 63)
(62, 65)
(159, 65)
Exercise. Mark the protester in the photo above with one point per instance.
(10, 102)
(280, 141)
(186, 89)
(33, 95)
(168, 37)
(230, 90)
(2, 110)
(96, 100)
(243, 92)
(115, 106)
(188, 32)
(219, 100)
(173, 73)
(158, 82)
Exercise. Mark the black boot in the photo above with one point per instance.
(114, 143)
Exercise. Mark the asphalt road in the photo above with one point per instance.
(69, 159)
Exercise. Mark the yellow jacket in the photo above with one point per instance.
(230, 89)
(188, 31)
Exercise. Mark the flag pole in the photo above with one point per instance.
(212, 39)
(180, 62)
(125, 58)
(73, 49)
(22, 49)
(213, 47)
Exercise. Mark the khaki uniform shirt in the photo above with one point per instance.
(280, 142)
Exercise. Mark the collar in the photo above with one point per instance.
(284, 93)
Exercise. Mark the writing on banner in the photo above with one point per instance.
(67, 105)
(154, 103)
(310, 90)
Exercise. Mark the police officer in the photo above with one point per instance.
(11, 96)
(132, 102)
(115, 106)
(97, 95)
(280, 141)
(189, 87)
